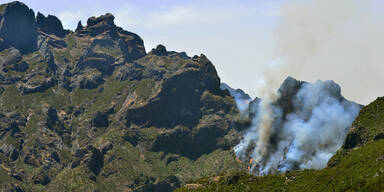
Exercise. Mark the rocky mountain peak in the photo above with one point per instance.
(70, 101)
(14, 5)
(18, 26)
(160, 50)
(291, 86)
(50, 25)
(79, 26)
(106, 19)
(99, 25)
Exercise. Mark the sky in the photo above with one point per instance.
(243, 38)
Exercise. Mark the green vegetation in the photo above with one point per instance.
(357, 169)
(132, 165)
(60, 55)
(101, 97)
(145, 88)
(71, 42)
(112, 51)
(5, 51)
(91, 130)
(11, 99)
(361, 170)
(369, 124)
(2, 8)
(15, 101)
(73, 180)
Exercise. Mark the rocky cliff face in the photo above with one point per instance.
(90, 110)
(18, 27)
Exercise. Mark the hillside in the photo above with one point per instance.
(91, 110)
(357, 166)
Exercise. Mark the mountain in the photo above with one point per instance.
(357, 166)
(236, 93)
(91, 110)
(242, 99)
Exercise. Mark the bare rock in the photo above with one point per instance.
(50, 25)
(18, 26)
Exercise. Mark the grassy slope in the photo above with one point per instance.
(357, 169)
(133, 165)
(129, 163)
(370, 121)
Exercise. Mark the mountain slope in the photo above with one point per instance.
(357, 166)
(90, 110)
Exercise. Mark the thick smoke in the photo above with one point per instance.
(303, 124)
(340, 40)
(301, 129)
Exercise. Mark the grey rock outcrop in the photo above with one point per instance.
(50, 25)
(18, 26)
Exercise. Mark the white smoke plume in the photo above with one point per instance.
(303, 124)
(340, 40)
(300, 130)
(241, 102)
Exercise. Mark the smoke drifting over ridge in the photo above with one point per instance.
(332, 39)
(301, 129)
(242, 99)
(304, 124)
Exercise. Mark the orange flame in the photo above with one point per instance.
(249, 164)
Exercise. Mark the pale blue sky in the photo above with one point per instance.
(236, 35)
(244, 38)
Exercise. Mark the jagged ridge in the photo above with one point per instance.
(91, 110)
